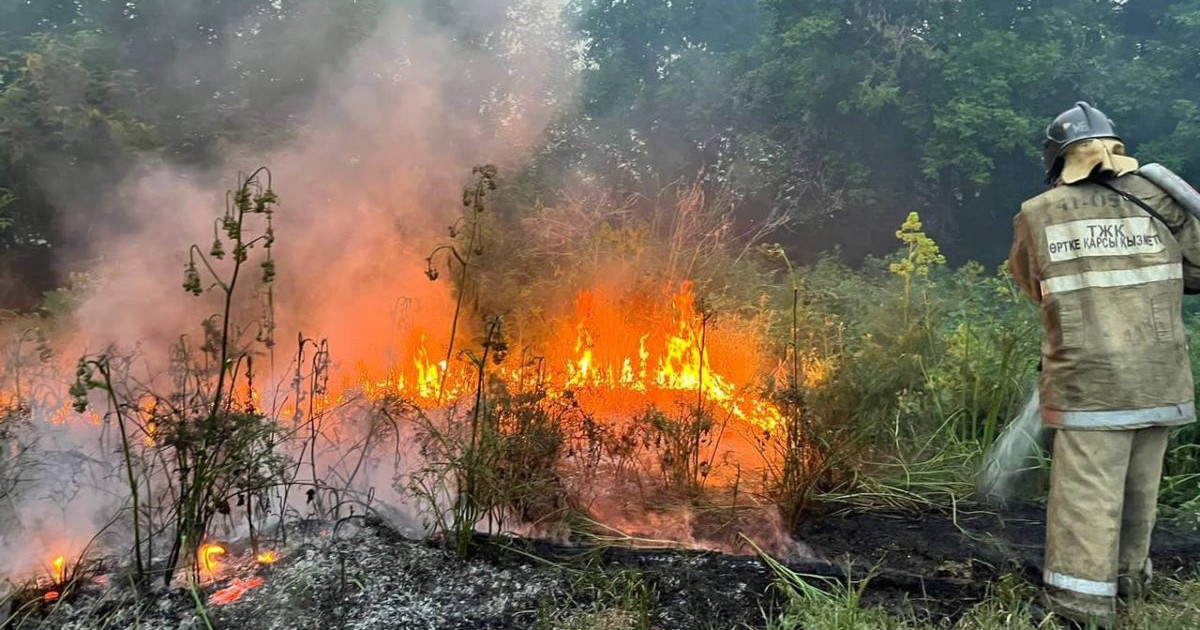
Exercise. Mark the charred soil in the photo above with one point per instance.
(953, 556)
(365, 575)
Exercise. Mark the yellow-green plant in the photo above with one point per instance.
(921, 255)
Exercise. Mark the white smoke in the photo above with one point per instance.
(368, 182)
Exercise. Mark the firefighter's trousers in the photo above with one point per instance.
(1101, 511)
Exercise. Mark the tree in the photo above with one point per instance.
(656, 97)
(847, 115)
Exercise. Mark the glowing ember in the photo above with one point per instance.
(207, 557)
(234, 591)
(267, 557)
(51, 596)
(60, 570)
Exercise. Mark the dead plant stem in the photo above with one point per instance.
(465, 264)
(127, 455)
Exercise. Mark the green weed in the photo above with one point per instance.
(597, 598)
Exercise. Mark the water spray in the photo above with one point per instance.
(1014, 465)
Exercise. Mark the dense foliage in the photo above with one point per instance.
(854, 112)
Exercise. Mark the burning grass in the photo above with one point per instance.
(641, 386)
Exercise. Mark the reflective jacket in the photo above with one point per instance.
(1109, 279)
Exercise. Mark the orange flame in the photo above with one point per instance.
(60, 570)
(619, 352)
(640, 351)
(236, 589)
(267, 557)
(207, 557)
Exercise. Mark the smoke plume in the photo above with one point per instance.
(369, 178)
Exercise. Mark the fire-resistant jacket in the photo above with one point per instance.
(1109, 279)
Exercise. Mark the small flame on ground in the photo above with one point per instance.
(51, 596)
(267, 557)
(234, 591)
(60, 570)
(207, 557)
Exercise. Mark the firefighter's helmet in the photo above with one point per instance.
(1081, 122)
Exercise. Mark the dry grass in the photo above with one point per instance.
(1173, 605)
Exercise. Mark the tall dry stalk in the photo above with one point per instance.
(198, 446)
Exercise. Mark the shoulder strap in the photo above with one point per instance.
(1138, 202)
(1187, 290)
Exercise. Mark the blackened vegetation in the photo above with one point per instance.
(959, 555)
(362, 574)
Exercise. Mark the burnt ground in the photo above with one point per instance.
(365, 575)
(960, 553)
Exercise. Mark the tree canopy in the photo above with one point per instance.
(832, 119)
(847, 115)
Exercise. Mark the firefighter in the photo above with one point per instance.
(1103, 252)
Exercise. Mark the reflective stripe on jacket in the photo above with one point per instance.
(1109, 278)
